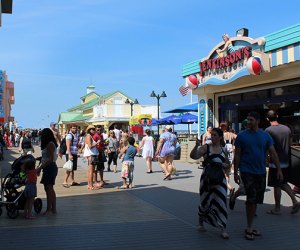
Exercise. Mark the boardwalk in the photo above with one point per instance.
(156, 214)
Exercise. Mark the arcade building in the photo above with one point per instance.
(242, 74)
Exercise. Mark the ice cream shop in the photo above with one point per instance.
(241, 74)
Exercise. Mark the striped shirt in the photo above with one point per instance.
(73, 146)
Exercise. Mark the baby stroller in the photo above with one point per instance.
(12, 189)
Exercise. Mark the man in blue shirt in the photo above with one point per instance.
(251, 147)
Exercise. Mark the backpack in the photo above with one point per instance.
(63, 145)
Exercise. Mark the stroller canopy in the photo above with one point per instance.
(15, 167)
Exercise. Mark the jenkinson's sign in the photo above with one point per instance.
(223, 63)
(229, 60)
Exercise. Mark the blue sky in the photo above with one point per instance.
(52, 50)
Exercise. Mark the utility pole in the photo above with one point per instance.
(5, 7)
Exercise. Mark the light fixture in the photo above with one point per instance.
(242, 32)
(163, 94)
(152, 94)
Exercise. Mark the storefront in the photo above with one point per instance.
(242, 74)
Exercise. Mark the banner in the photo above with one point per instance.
(143, 119)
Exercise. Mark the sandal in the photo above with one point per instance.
(295, 208)
(123, 187)
(256, 232)
(65, 185)
(249, 235)
(167, 177)
(224, 236)
(273, 212)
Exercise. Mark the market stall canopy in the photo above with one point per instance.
(193, 107)
(188, 118)
(172, 119)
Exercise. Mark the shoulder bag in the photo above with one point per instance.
(213, 171)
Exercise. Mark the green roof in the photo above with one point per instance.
(85, 106)
(113, 93)
(93, 92)
(93, 102)
(66, 117)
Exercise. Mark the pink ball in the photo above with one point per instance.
(254, 65)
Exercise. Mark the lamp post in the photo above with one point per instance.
(131, 104)
(163, 94)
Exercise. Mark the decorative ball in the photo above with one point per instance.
(254, 65)
(192, 81)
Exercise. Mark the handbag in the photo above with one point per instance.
(195, 153)
(68, 166)
(213, 171)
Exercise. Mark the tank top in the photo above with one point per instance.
(90, 151)
(45, 154)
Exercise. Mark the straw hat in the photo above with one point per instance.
(168, 127)
(89, 128)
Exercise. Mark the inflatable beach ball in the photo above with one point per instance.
(254, 65)
(192, 81)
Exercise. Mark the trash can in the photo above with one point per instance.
(295, 166)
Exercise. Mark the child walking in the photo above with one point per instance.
(30, 191)
(129, 153)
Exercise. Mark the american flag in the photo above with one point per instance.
(184, 90)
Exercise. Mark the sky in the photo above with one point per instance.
(52, 50)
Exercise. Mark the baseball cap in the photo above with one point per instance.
(53, 124)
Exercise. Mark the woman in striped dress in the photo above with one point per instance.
(213, 207)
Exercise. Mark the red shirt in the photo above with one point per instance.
(31, 176)
(98, 137)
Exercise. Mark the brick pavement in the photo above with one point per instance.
(156, 214)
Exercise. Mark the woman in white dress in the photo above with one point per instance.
(148, 149)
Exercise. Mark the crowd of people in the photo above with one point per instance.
(245, 155)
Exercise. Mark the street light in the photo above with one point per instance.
(163, 94)
(131, 104)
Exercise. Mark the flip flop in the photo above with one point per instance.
(254, 232)
(224, 236)
(167, 177)
(273, 212)
(66, 185)
(296, 208)
(123, 187)
(249, 235)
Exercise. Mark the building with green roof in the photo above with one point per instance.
(107, 110)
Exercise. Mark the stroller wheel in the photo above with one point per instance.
(38, 205)
(12, 211)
